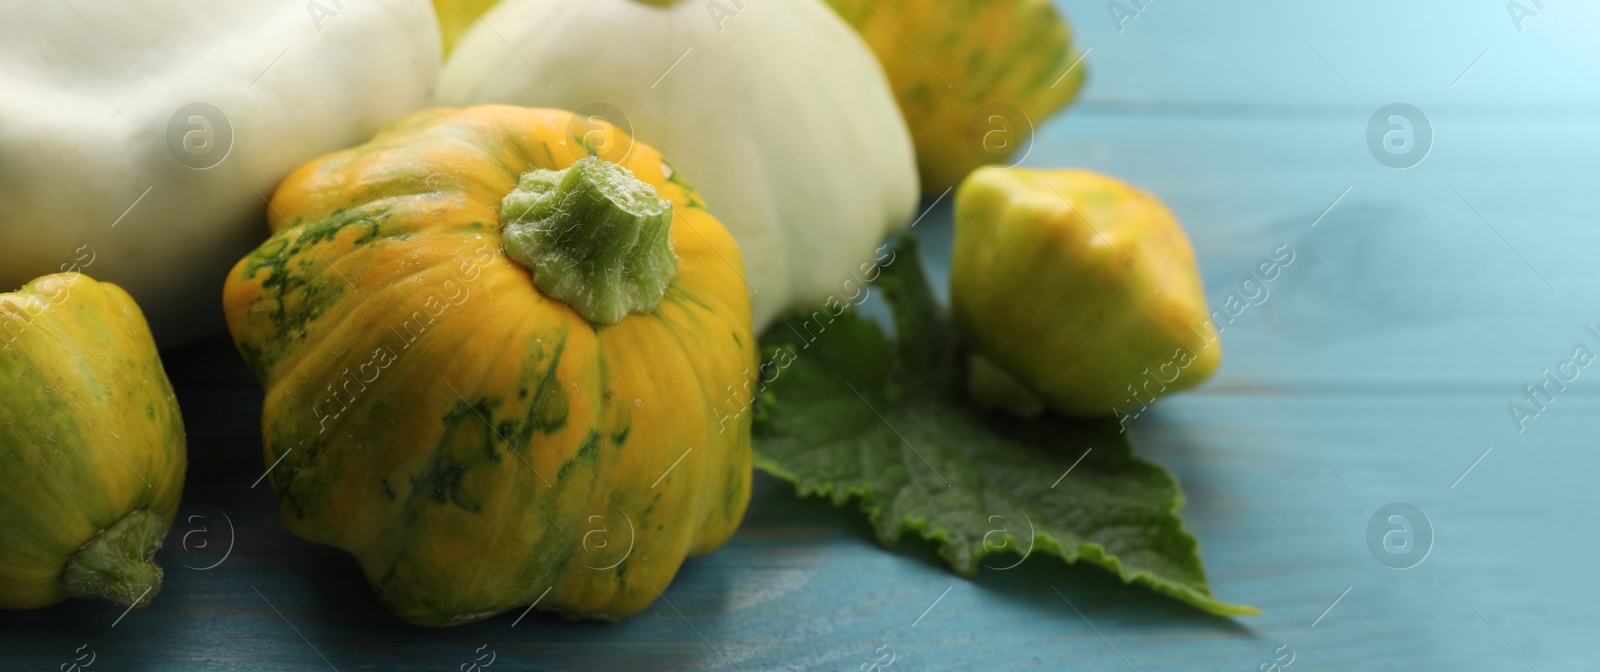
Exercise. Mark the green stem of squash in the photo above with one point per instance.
(593, 236)
(118, 564)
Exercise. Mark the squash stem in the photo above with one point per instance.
(593, 236)
(118, 563)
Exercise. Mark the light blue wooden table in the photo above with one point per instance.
(1378, 370)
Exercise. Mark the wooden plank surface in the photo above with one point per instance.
(1377, 370)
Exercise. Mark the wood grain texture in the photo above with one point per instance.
(1378, 370)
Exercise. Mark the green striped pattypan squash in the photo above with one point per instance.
(497, 374)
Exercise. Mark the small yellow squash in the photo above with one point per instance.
(91, 446)
(1081, 287)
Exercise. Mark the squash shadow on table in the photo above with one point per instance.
(38, 635)
(358, 627)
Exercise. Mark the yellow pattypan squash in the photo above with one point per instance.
(1080, 287)
(974, 78)
(91, 446)
(500, 371)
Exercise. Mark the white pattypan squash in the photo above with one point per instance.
(139, 140)
(774, 110)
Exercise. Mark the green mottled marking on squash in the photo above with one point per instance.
(36, 429)
(553, 558)
(549, 158)
(590, 448)
(282, 478)
(468, 444)
(1060, 54)
(297, 286)
(581, 141)
(1012, 61)
(388, 491)
(549, 408)
(691, 197)
(586, 455)
(678, 294)
(980, 81)
(307, 472)
(921, 96)
(621, 437)
(318, 232)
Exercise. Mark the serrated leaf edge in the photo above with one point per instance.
(1089, 552)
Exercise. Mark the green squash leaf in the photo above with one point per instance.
(848, 412)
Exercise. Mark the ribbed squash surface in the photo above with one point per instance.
(475, 444)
